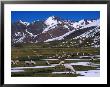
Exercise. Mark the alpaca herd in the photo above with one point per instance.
(66, 66)
(62, 63)
(30, 62)
(16, 62)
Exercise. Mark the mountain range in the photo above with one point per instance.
(85, 32)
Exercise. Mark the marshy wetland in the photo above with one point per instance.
(30, 61)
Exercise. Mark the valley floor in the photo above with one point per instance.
(47, 62)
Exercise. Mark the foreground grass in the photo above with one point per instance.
(33, 50)
(43, 75)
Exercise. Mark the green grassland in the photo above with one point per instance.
(37, 49)
(40, 51)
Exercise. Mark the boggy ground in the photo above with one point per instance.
(79, 58)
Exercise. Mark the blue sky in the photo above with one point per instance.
(30, 16)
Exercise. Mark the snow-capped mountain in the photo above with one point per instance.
(25, 23)
(54, 28)
(51, 23)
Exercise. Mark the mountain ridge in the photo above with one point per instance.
(52, 29)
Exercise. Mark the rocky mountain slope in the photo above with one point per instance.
(75, 33)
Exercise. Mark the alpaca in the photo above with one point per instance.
(47, 62)
(69, 67)
(17, 61)
(61, 62)
(77, 53)
(66, 66)
(28, 57)
(32, 62)
(12, 62)
(68, 56)
(92, 58)
(50, 57)
(59, 57)
(27, 63)
(91, 61)
(83, 54)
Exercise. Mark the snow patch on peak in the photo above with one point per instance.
(82, 21)
(85, 23)
(24, 23)
(94, 23)
(51, 21)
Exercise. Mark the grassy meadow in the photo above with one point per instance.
(39, 53)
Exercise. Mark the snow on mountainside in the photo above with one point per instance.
(51, 23)
(89, 33)
(94, 23)
(24, 23)
(54, 28)
(60, 37)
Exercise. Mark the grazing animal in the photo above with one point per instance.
(61, 62)
(69, 67)
(47, 62)
(50, 57)
(68, 56)
(66, 66)
(92, 58)
(28, 57)
(12, 62)
(91, 64)
(27, 63)
(83, 54)
(17, 61)
(32, 62)
(59, 57)
(77, 53)
(91, 61)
